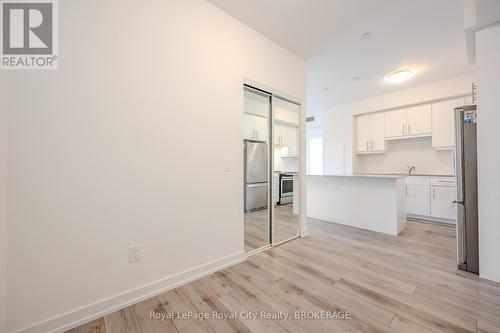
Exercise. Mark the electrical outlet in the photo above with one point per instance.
(134, 253)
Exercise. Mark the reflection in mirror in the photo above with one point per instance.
(286, 168)
(257, 108)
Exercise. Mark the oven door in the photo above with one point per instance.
(286, 190)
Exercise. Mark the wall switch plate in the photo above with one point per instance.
(227, 165)
(134, 253)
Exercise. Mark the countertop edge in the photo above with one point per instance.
(362, 176)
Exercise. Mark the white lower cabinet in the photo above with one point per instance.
(442, 205)
(417, 199)
(431, 197)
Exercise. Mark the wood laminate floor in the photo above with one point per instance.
(407, 283)
(257, 226)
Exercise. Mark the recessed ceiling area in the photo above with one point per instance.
(350, 46)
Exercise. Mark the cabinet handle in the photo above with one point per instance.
(372, 145)
(367, 146)
(403, 129)
(409, 129)
(434, 193)
(406, 190)
(257, 134)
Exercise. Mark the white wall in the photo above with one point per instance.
(125, 143)
(488, 75)
(338, 120)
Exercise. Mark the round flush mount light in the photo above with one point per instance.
(356, 78)
(399, 75)
(366, 35)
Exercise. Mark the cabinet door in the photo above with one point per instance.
(395, 123)
(377, 132)
(442, 205)
(287, 139)
(286, 111)
(363, 133)
(443, 123)
(249, 126)
(279, 133)
(419, 120)
(256, 103)
(418, 200)
(261, 129)
(292, 140)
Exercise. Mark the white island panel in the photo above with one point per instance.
(374, 203)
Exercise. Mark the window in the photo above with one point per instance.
(315, 156)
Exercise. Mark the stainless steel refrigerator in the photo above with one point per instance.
(466, 174)
(256, 175)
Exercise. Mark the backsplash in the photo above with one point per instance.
(285, 164)
(416, 152)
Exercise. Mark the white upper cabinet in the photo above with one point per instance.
(363, 133)
(408, 122)
(377, 132)
(255, 128)
(395, 123)
(286, 112)
(287, 139)
(443, 123)
(261, 128)
(257, 108)
(419, 120)
(291, 141)
(257, 104)
(249, 126)
(370, 133)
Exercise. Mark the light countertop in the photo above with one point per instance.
(412, 175)
(393, 176)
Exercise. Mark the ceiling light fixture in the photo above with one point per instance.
(399, 75)
(356, 78)
(366, 35)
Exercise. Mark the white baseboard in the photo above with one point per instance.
(103, 307)
(304, 233)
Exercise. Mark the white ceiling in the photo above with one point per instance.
(427, 35)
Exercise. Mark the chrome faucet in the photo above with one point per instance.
(410, 168)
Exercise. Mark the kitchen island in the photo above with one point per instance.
(371, 202)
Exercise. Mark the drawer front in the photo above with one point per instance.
(443, 181)
(418, 180)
